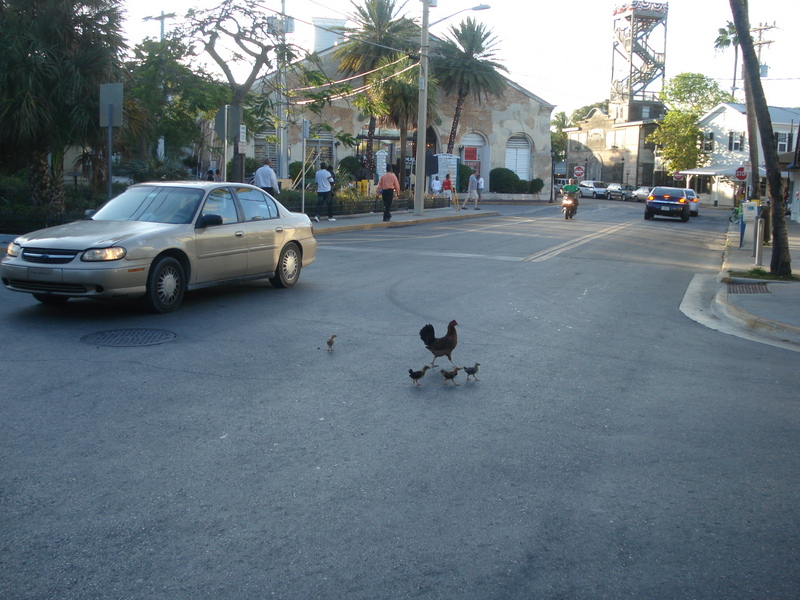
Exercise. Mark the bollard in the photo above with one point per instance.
(759, 244)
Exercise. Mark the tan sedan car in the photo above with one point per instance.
(157, 240)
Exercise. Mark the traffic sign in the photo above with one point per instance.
(677, 176)
(578, 171)
(741, 174)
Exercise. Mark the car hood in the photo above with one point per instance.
(81, 235)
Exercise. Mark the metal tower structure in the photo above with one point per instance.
(640, 39)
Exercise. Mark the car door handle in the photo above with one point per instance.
(239, 234)
(279, 230)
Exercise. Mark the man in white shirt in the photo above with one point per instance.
(266, 179)
(324, 180)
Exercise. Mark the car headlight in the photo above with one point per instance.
(13, 249)
(103, 254)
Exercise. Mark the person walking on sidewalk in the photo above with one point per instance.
(480, 188)
(324, 180)
(266, 179)
(472, 191)
(447, 186)
(388, 185)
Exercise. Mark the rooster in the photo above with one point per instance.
(442, 346)
(450, 375)
(330, 342)
(472, 371)
(417, 375)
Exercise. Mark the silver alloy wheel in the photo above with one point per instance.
(168, 285)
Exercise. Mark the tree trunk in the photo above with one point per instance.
(47, 184)
(403, 149)
(780, 264)
(754, 181)
(462, 96)
(369, 151)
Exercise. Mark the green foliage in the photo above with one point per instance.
(503, 181)
(558, 138)
(171, 93)
(294, 169)
(349, 166)
(152, 168)
(679, 139)
(693, 93)
(463, 177)
(536, 186)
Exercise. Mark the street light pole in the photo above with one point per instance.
(422, 109)
(422, 115)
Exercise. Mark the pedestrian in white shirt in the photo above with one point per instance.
(266, 179)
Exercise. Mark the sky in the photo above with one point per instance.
(562, 51)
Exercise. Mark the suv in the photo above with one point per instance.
(593, 189)
(667, 201)
(623, 191)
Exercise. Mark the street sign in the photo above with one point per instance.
(741, 174)
(578, 171)
(677, 176)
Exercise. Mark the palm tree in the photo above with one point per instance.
(396, 86)
(56, 54)
(378, 32)
(728, 37)
(780, 263)
(464, 66)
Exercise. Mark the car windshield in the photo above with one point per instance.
(154, 204)
(599, 184)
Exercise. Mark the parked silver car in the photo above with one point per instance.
(157, 240)
(694, 204)
(641, 194)
(592, 189)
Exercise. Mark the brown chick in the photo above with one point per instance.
(450, 375)
(417, 375)
(330, 342)
(472, 371)
(442, 346)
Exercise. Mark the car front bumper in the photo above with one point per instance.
(95, 280)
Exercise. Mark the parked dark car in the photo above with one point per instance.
(667, 202)
(620, 191)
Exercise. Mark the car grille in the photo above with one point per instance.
(45, 286)
(48, 256)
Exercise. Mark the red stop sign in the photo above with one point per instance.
(677, 176)
(741, 174)
(578, 171)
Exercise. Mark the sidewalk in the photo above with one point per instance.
(346, 223)
(769, 308)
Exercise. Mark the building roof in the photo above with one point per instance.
(777, 114)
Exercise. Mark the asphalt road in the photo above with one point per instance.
(613, 448)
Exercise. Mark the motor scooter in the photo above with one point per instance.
(568, 206)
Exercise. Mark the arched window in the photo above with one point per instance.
(518, 155)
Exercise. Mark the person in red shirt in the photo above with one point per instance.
(447, 187)
(388, 186)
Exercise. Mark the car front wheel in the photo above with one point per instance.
(289, 264)
(166, 285)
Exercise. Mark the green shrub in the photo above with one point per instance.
(349, 165)
(463, 177)
(536, 186)
(503, 181)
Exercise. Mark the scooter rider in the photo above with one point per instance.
(571, 191)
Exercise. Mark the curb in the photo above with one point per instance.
(772, 329)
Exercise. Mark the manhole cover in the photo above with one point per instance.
(748, 288)
(122, 338)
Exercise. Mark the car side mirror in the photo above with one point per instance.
(88, 213)
(209, 221)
